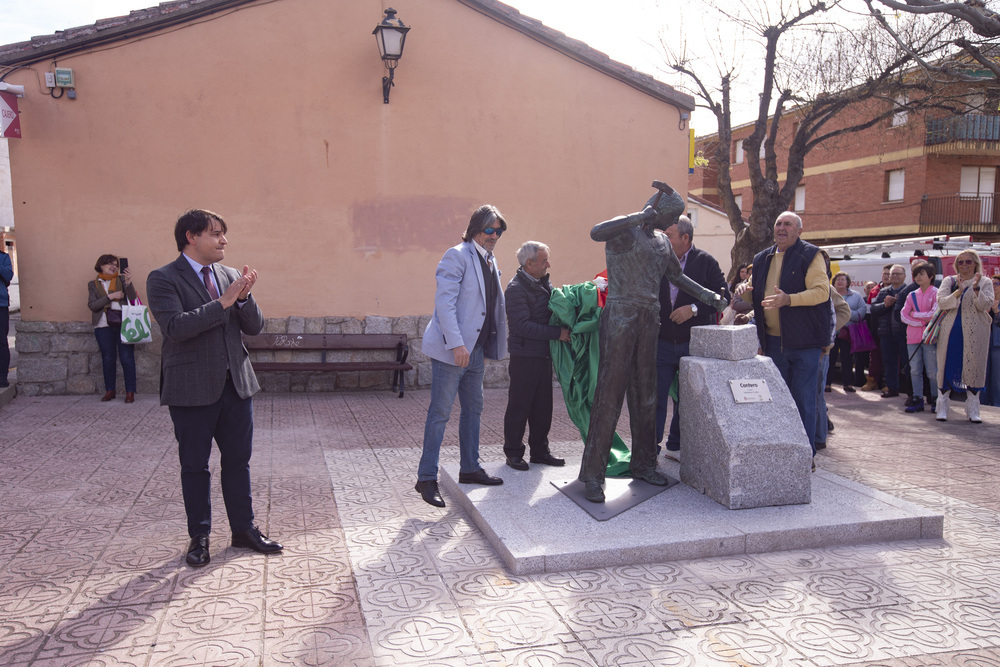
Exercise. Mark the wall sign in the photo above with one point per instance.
(10, 122)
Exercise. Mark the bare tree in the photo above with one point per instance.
(962, 17)
(820, 80)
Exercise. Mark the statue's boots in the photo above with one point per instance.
(594, 491)
(649, 474)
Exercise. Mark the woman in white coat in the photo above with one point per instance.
(964, 342)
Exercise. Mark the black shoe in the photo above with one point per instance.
(850, 389)
(478, 477)
(197, 554)
(829, 425)
(890, 393)
(827, 389)
(256, 540)
(518, 463)
(820, 445)
(428, 490)
(548, 459)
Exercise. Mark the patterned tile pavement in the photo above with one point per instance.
(92, 545)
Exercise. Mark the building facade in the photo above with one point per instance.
(912, 174)
(271, 112)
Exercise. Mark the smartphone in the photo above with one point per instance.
(122, 264)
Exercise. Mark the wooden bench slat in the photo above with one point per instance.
(331, 343)
(330, 366)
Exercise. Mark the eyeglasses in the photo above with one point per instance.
(964, 262)
(490, 231)
(897, 274)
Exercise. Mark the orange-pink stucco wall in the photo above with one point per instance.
(272, 115)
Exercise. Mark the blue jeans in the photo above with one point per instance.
(926, 358)
(668, 362)
(821, 421)
(799, 369)
(994, 379)
(447, 381)
(111, 345)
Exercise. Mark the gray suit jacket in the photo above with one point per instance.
(460, 307)
(200, 337)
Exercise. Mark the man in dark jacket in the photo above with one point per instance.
(891, 330)
(529, 399)
(679, 313)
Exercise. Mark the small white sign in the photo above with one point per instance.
(750, 391)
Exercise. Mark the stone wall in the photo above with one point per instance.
(63, 358)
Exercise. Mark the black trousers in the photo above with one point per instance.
(229, 421)
(529, 403)
(842, 351)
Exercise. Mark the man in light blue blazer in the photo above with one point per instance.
(468, 326)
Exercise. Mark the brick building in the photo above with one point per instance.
(912, 174)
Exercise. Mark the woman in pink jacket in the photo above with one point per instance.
(916, 313)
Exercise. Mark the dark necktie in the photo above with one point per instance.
(209, 285)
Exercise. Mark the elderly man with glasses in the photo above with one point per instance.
(891, 330)
(468, 326)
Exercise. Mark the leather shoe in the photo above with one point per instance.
(850, 389)
(428, 490)
(478, 477)
(547, 459)
(889, 393)
(108, 396)
(593, 491)
(256, 540)
(518, 463)
(130, 397)
(197, 554)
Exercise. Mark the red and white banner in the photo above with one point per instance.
(10, 122)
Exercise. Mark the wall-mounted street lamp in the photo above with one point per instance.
(390, 35)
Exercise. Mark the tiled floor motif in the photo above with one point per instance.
(92, 544)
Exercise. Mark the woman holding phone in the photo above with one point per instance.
(106, 294)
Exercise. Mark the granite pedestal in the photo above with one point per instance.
(739, 450)
(535, 528)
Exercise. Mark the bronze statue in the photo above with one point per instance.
(638, 255)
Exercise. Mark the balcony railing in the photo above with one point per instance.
(968, 127)
(959, 214)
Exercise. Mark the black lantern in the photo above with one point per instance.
(390, 35)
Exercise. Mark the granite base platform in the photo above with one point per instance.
(534, 528)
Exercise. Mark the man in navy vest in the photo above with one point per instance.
(791, 297)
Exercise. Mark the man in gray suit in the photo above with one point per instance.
(468, 325)
(206, 378)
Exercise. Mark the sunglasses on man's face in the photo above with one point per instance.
(490, 231)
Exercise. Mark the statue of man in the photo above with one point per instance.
(638, 255)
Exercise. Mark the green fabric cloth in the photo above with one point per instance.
(575, 307)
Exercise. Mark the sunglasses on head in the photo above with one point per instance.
(490, 231)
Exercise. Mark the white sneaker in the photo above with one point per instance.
(942, 406)
(972, 408)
